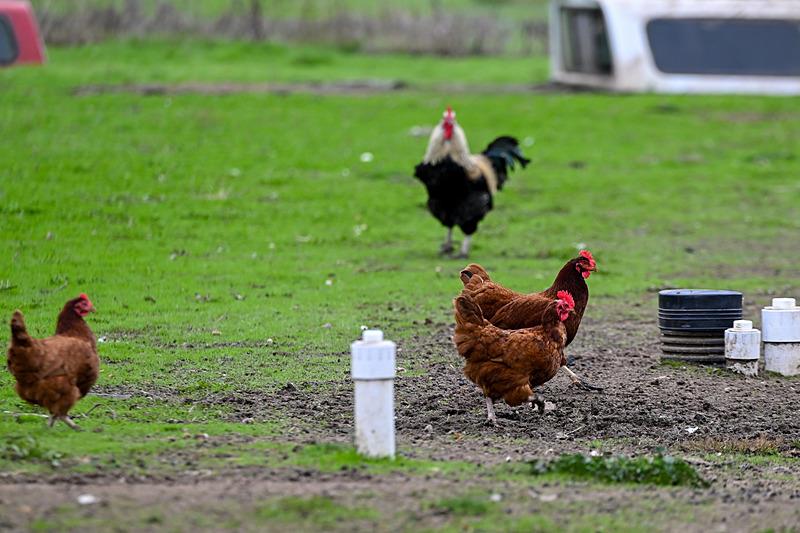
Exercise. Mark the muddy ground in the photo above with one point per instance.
(693, 412)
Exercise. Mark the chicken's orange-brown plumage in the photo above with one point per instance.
(508, 364)
(489, 295)
(508, 309)
(55, 372)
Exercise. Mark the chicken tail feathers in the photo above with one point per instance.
(19, 333)
(504, 153)
(507, 149)
(467, 311)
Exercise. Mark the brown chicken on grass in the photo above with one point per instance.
(57, 371)
(509, 364)
(512, 310)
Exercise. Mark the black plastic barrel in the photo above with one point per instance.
(693, 323)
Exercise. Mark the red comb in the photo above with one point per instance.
(83, 296)
(586, 254)
(566, 297)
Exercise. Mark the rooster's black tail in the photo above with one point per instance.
(504, 153)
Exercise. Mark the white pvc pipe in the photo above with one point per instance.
(373, 372)
(742, 348)
(782, 357)
(781, 321)
(781, 324)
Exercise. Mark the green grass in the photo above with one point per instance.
(202, 226)
(316, 511)
(657, 470)
(175, 61)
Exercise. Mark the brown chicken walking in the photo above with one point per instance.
(57, 371)
(508, 364)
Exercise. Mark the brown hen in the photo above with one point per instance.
(57, 371)
(509, 364)
(508, 309)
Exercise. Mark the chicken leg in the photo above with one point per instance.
(464, 253)
(579, 382)
(67, 420)
(447, 245)
(490, 416)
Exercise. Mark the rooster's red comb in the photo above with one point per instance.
(586, 254)
(566, 297)
(83, 296)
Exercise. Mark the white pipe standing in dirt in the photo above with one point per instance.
(742, 348)
(781, 325)
(373, 372)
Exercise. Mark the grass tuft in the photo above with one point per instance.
(465, 505)
(658, 470)
(27, 448)
(319, 511)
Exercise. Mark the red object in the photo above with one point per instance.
(448, 123)
(20, 40)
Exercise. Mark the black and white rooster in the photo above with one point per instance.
(461, 185)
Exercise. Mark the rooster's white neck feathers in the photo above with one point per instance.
(456, 147)
(458, 150)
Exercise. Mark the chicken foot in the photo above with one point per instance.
(447, 245)
(67, 420)
(537, 400)
(579, 382)
(490, 416)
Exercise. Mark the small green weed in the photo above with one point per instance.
(26, 448)
(658, 470)
(465, 505)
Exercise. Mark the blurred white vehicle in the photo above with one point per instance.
(677, 46)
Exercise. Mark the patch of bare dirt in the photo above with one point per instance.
(645, 405)
(693, 412)
(354, 87)
(398, 503)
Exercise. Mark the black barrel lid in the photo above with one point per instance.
(689, 299)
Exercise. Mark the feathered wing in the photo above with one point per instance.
(453, 198)
(522, 312)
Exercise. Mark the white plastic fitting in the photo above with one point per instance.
(373, 372)
(781, 321)
(781, 325)
(742, 348)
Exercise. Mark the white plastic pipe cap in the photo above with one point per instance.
(373, 357)
(373, 335)
(743, 325)
(784, 303)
